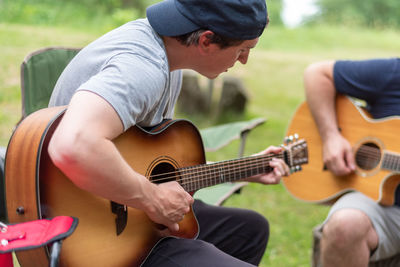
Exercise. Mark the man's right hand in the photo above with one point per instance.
(338, 155)
(167, 204)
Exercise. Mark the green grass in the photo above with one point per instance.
(273, 77)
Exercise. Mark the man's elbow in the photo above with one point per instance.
(318, 75)
(319, 69)
(62, 153)
(312, 72)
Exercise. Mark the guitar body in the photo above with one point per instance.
(316, 184)
(36, 189)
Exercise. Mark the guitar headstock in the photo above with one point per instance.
(296, 152)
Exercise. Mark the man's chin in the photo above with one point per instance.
(207, 74)
(212, 76)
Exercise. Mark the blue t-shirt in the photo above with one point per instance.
(377, 82)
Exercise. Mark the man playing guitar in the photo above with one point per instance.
(132, 76)
(357, 229)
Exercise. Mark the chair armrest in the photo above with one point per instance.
(216, 137)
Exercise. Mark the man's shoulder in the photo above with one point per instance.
(134, 28)
(374, 63)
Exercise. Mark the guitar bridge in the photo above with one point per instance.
(122, 216)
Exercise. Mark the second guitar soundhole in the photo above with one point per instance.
(368, 156)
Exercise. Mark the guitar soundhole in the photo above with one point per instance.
(163, 172)
(368, 156)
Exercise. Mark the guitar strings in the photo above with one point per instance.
(368, 153)
(200, 180)
(214, 175)
(201, 169)
(193, 172)
(369, 157)
(372, 156)
(369, 150)
(207, 172)
(204, 169)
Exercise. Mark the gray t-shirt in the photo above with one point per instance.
(128, 67)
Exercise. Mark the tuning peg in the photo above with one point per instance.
(296, 137)
(288, 139)
(295, 168)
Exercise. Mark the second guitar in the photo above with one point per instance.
(376, 149)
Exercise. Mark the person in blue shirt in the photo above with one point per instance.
(357, 229)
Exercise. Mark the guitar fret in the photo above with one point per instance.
(213, 174)
(391, 162)
(209, 177)
(201, 181)
(189, 182)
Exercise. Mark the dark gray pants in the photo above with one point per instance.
(229, 237)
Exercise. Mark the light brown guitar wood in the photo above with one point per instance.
(316, 184)
(30, 173)
(20, 177)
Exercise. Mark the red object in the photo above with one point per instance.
(33, 234)
(6, 260)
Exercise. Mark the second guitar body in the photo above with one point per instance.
(376, 149)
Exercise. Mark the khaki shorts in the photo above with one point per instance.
(386, 221)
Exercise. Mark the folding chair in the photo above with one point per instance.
(39, 73)
(35, 234)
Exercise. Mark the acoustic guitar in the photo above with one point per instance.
(376, 150)
(110, 234)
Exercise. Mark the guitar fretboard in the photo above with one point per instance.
(197, 177)
(391, 162)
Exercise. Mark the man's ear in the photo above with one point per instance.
(205, 45)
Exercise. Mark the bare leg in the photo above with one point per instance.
(348, 239)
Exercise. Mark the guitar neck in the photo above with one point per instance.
(391, 161)
(201, 176)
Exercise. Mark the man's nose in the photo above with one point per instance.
(243, 58)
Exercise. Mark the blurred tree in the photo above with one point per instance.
(274, 11)
(75, 12)
(141, 5)
(368, 13)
